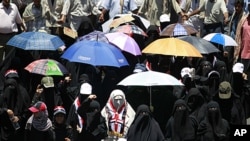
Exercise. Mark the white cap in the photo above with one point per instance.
(165, 18)
(185, 71)
(238, 67)
(86, 89)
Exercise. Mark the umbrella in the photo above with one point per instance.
(173, 47)
(150, 78)
(36, 41)
(94, 36)
(121, 20)
(221, 39)
(204, 46)
(129, 29)
(124, 42)
(138, 20)
(95, 53)
(178, 29)
(46, 67)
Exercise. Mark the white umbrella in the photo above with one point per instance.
(150, 78)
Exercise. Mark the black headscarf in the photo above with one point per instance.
(144, 126)
(181, 126)
(214, 127)
(15, 97)
(196, 103)
(221, 67)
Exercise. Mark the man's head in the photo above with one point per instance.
(6, 3)
(238, 5)
(37, 3)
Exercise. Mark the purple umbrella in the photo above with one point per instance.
(124, 42)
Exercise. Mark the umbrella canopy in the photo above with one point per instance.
(124, 42)
(46, 67)
(178, 29)
(204, 46)
(36, 41)
(121, 20)
(95, 53)
(150, 78)
(138, 20)
(173, 47)
(221, 39)
(94, 36)
(129, 29)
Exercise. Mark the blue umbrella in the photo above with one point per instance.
(95, 53)
(94, 36)
(221, 39)
(36, 41)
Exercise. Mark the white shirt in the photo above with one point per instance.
(11, 17)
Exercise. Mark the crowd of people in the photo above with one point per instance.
(87, 104)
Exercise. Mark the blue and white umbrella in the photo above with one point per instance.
(36, 41)
(221, 39)
(95, 53)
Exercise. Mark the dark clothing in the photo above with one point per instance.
(36, 135)
(94, 126)
(181, 126)
(213, 127)
(62, 131)
(196, 103)
(212, 28)
(144, 127)
(16, 98)
(51, 97)
(232, 109)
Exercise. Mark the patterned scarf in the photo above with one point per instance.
(41, 122)
(116, 118)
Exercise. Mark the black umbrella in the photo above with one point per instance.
(204, 46)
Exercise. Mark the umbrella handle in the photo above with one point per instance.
(150, 99)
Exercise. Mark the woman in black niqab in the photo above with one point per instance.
(214, 127)
(144, 126)
(16, 98)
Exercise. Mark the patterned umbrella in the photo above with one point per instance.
(36, 41)
(94, 36)
(46, 67)
(178, 29)
(129, 29)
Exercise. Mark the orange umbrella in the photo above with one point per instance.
(173, 47)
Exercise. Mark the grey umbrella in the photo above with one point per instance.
(204, 46)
